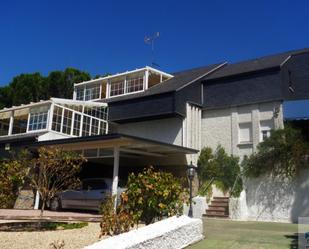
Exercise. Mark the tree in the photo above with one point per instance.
(26, 88)
(284, 153)
(220, 169)
(54, 171)
(60, 84)
(13, 174)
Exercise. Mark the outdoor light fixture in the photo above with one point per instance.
(191, 172)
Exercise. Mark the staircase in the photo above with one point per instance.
(218, 208)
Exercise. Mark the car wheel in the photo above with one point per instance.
(55, 204)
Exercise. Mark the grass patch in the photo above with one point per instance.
(37, 226)
(221, 234)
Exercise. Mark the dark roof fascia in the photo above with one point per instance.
(205, 108)
(148, 118)
(139, 97)
(245, 74)
(107, 137)
(19, 140)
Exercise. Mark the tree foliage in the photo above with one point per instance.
(153, 195)
(34, 87)
(284, 153)
(220, 169)
(53, 171)
(13, 174)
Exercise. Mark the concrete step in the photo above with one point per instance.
(219, 203)
(216, 208)
(215, 216)
(212, 212)
(221, 198)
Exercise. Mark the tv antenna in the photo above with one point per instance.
(150, 41)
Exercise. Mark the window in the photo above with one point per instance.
(76, 126)
(80, 93)
(67, 121)
(135, 85)
(94, 126)
(265, 128)
(245, 133)
(4, 123)
(117, 88)
(37, 121)
(86, 126)
(103, 127)
(56, 126)
(92, 92)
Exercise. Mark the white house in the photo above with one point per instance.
(126, 121)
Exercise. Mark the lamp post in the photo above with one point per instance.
(190, 172)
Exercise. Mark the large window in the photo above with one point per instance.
(37, 121)
(86, 126)
(57, 117)
(88, 93)
(67, 121)
(117, 88)
(92, 92)
(76, 127)
(245, 132)
(79, 93)
(135, 85)
(4, 123)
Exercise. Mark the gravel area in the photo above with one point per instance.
(73, 238)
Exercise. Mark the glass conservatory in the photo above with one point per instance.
(129, 82)
(62, 116)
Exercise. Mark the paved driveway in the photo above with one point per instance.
(17, 214)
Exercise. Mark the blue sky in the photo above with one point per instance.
(108, 36)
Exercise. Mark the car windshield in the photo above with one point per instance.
(94, 184)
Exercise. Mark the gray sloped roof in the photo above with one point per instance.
(179, 80)
(262, 63)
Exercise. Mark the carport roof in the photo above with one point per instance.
(126, 143)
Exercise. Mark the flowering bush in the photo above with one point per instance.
(153, 195)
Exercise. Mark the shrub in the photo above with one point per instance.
(221, 169)
(284, 154)
(114, 223)
(153, 195)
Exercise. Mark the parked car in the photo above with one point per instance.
(89, 197)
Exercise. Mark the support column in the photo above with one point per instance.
(10, 131)
(115, 173)
(37, 200)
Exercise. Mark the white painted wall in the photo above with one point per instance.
(165, 130)
(273, 199)
(223, 126)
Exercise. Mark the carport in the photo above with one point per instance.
(112, 147)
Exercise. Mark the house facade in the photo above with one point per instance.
(147, 116)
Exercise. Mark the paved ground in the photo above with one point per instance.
(73, 239)
(15, 214)
(222, 234)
